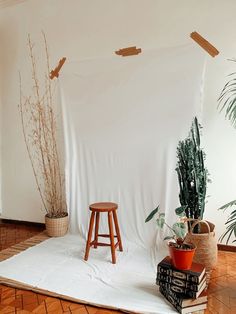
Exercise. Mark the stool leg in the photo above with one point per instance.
(96, 229)
(111, 233)
(89, 236)
(117, 230)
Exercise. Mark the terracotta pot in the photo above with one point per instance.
(56, 227)
(181, 258)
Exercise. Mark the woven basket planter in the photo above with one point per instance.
(206, 244)
(56, 227)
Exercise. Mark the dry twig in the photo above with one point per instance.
(38, 121)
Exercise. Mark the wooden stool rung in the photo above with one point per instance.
(99, 243)
(102, 244)
(106, 235)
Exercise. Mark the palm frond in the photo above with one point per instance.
(230, 224)
(227, 99)
(224, 207)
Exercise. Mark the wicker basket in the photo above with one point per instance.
(206, 244)
(56, 227)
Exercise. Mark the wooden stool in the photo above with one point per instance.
(109, 208)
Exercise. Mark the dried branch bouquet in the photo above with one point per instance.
(38, 119)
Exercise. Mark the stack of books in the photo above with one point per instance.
(184, 289)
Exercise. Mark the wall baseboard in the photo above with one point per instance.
(221, 247)
(21, 222)
(224, 247)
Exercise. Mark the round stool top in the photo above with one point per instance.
(103, 206)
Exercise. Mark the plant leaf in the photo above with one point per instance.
(169, 237)
(160, 221)
(179, 229)
(224, 207)
(180, 210)
(197, 133)
(151, 215)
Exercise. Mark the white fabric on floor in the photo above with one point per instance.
(123, 118)
(57, 265)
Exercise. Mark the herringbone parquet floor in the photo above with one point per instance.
(221, 290)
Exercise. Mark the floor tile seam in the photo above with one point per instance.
(45, 307)
(221, 302)
(61, 305)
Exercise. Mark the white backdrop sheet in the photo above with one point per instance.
(123, 118)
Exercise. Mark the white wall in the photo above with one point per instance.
(0, 165)
(81, 29)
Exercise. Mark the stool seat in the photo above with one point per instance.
(109, 208)
(103, 207)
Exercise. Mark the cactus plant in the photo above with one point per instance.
(192, 174)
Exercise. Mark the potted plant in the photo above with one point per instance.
(181, 252)
(227, 102)
(192, 175)
(193, 178)
(39, 125)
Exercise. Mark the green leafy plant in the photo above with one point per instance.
(227, 103)
(192, 175)
(178, 230)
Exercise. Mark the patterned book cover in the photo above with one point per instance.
(179, 282)
(179, 308)
(183, 301)
(195, 274)
(182, 290)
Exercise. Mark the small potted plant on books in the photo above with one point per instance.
(181, 252)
